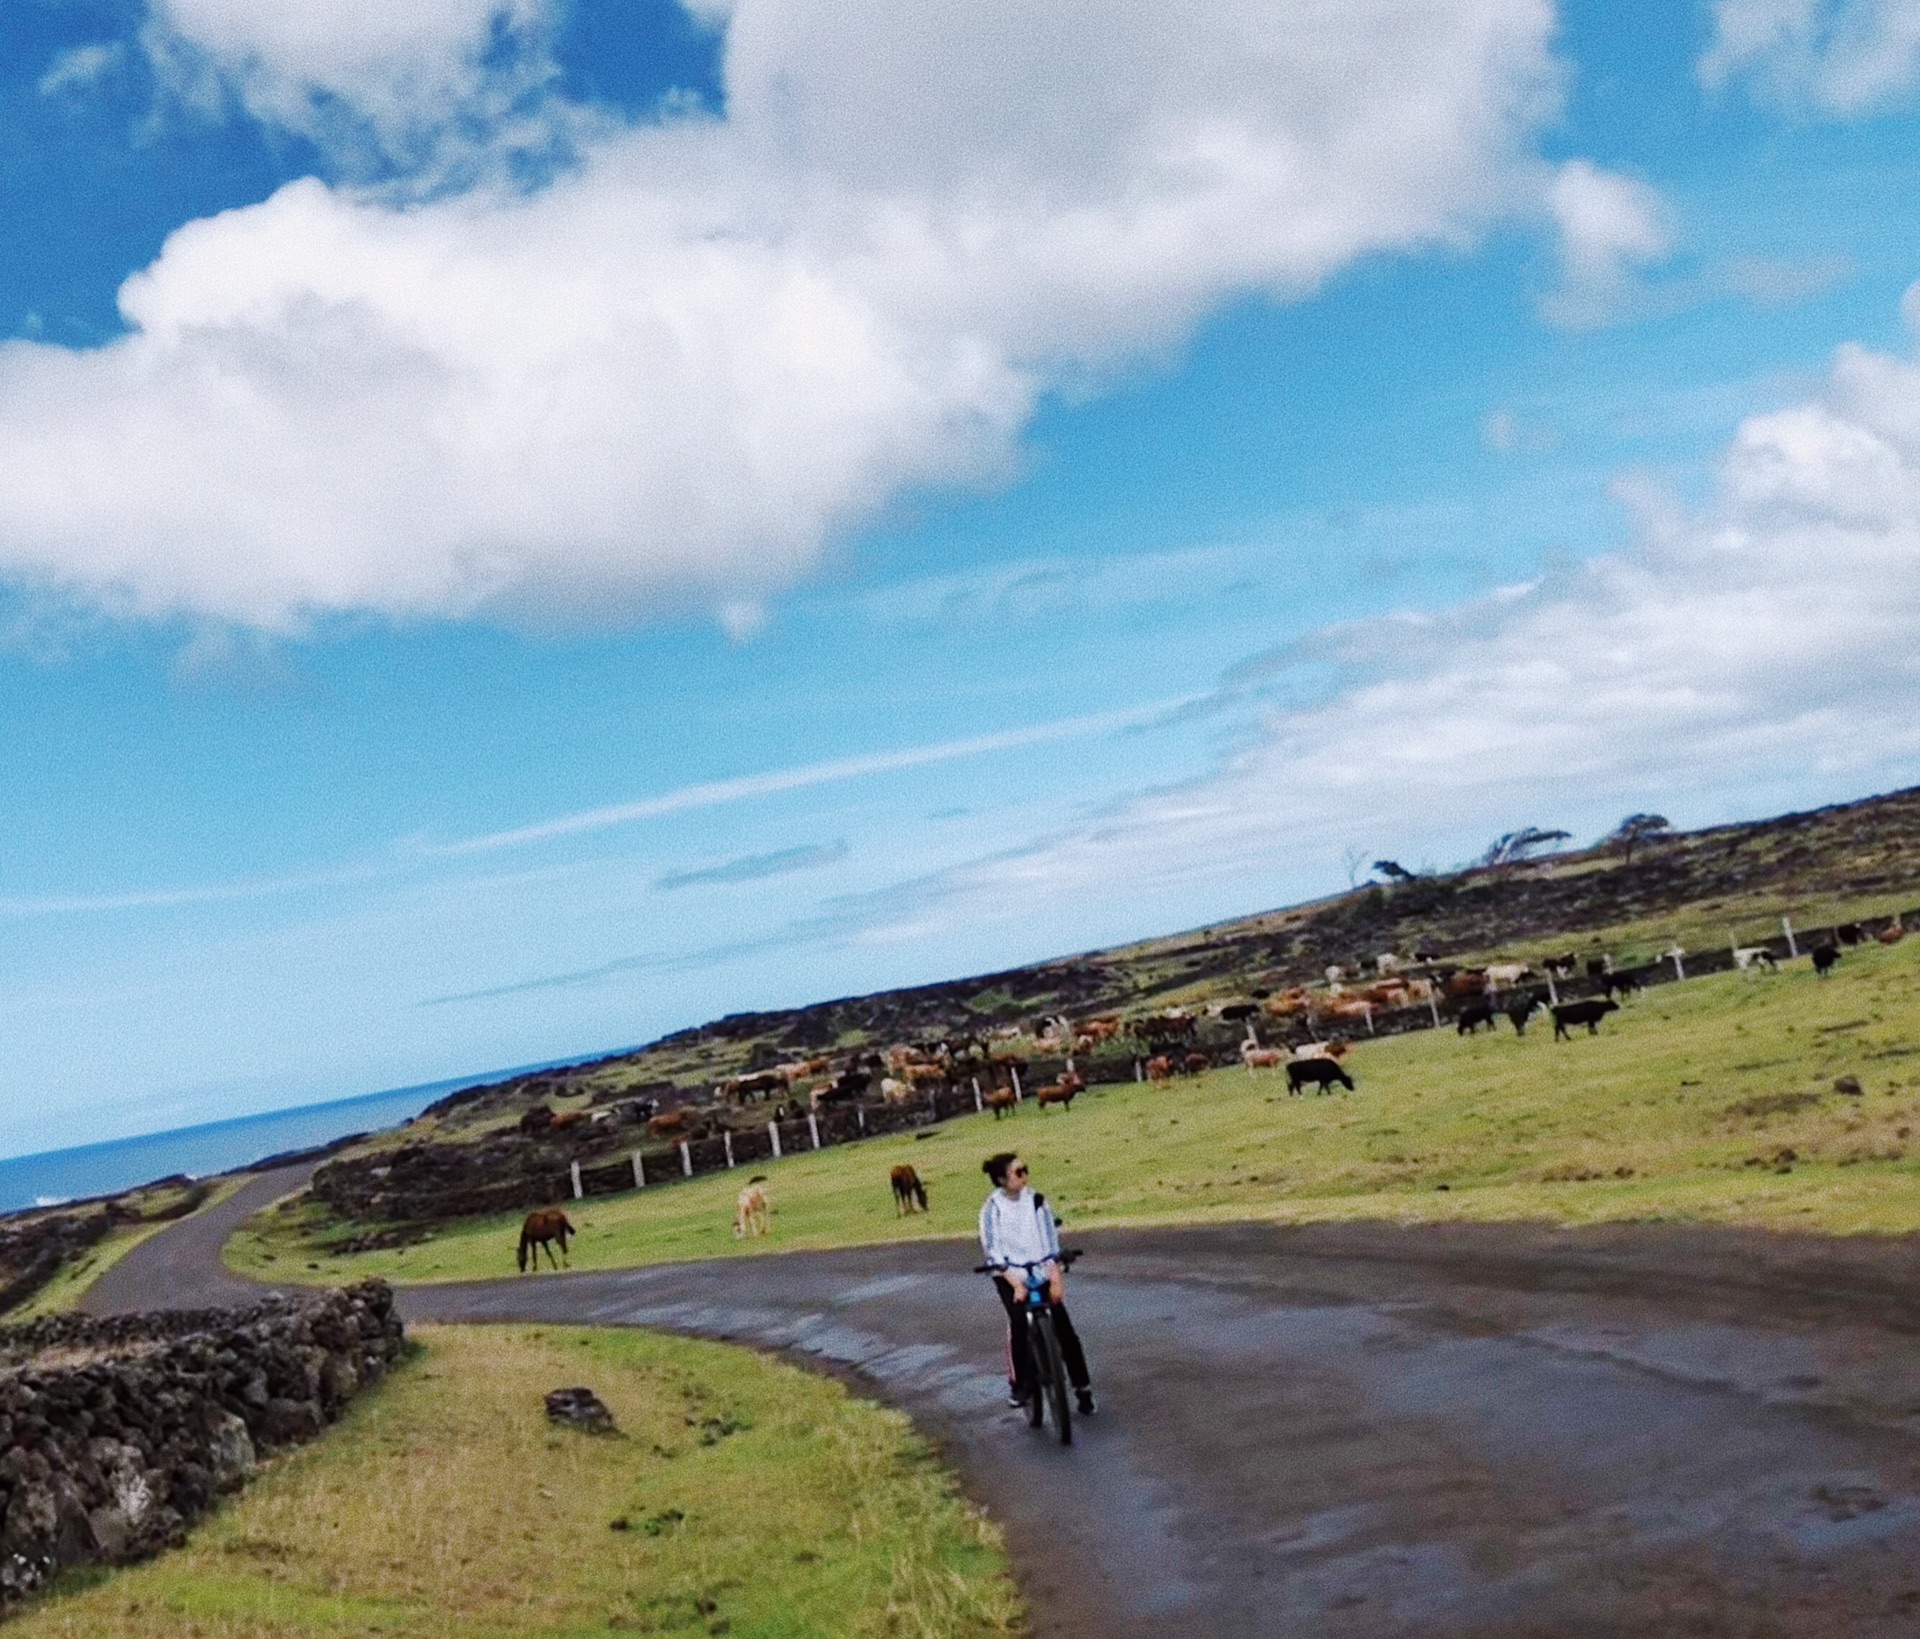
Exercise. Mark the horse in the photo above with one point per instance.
(542, 1229)
(750, 1210)
(907, 1189)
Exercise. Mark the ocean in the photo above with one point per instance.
(218, 1146)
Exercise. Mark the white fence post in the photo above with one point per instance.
(726, 1138)
(1433, 1007)
(979, 1103)
(813, 1128)
(1369, 1008)
(1139, 1071)
(1679, 962)
(1553, 993)
(639, 1172)
(860, 1118)
(574, 1168)
(773, 1132)
(933, 1104)
(1014, 1071)
(1786, 923)
(686, 1160)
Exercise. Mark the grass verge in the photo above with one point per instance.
(743, 1497)
(1710, 1100)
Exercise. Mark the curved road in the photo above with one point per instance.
(1360, 1430)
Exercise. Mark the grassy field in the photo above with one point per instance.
(745, 1497)
(1710, 1100)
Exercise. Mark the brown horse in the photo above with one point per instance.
(907, 1189)
(542, 1229)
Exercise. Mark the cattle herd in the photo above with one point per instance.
(1164, 1047)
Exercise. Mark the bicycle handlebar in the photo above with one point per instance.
(1066, 1260)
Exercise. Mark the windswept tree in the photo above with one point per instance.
(1392, 870)
(1516, 846)
(1636, 830)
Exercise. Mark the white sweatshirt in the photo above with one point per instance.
(1017, 1229)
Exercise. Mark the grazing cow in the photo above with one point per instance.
(1387, 962)
(1505, 975)
(1472, 1016)
(907, 1190)
(1062, 1092)
(1198, 1064)
(751, 1210)
(1619, 985)
(1001, 1101)
(1465, 983)
(1598, 967)
(1336, 1048)
(1261, 1058)
(563, 1119)
(1318, 1071)
(1824, 957)
(541, 1230)
(1159, 1068)
(1522, 1008)
(1746, 957)
(1589, 1013)
(1563, 966)
(674, 1124)
(1892, 933)
(1851, 933)
(896, 1092)
(1234, 1012)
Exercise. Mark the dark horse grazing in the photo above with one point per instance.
(907, 1189)
(542, 1229)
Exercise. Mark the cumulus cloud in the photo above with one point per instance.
(675, 374)
(1840, 57)
(1732, 649)
(1612, 228)
(401, 83)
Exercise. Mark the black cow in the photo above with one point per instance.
(1472, 1016)
(1597, 968)
(1522, 1008)
(1851, 933)
(1617, 985)
(1589, 1013)
(1824, 956)
(1319, 1072)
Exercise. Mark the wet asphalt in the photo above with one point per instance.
(1495, 1431)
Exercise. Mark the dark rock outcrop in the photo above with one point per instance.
(115, 1432)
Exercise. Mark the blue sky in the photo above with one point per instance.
(526, 525)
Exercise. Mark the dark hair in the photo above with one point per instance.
(995, 1166)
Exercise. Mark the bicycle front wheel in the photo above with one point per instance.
(1054, 1371)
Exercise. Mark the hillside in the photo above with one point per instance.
(1696, 887)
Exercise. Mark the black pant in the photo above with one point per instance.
(1021, 1351)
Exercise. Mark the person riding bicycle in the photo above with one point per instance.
(1019, 1238)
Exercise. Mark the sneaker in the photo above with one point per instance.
(1087, 1407)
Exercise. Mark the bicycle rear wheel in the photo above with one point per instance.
(1053, 1371)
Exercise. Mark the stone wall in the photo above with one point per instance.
(115, 1433)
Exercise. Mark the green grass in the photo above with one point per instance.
(744, 1497)
(67, 1288)
(1710, 1100)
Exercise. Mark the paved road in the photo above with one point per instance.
(1361, 1430)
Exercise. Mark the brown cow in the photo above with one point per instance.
(1062, 1092)
(674, 1124)
(907, 1189)
(1159, 1068)
(1892, 933)
(1001, 1101)
(1198, 1063)
(751, 1210)
(542, 1229)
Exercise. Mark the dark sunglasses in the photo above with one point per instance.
(1016, 1172)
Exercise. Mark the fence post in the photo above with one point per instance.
(1014, 1071)
(1553, 993)
(933, 1104)
(773, 1132)
(639, 1172)
(1786, 923)
(1139, 1074)
(979, 1104)
(1369, 1008)
(1433, 1007)
(1679, 962)
(574, 1168)
(860, 1118)
(686, 1160)
(813, 1128)
(726, 1138)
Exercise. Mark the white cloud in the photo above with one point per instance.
(369, 77)
(1612, 228)
(81, 68)
(1841, 57)
(1736, 649)
(675, 374)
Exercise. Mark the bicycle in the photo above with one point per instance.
(1050, 1386)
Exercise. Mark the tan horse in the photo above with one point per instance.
(542, 1229)
(750, 1211)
